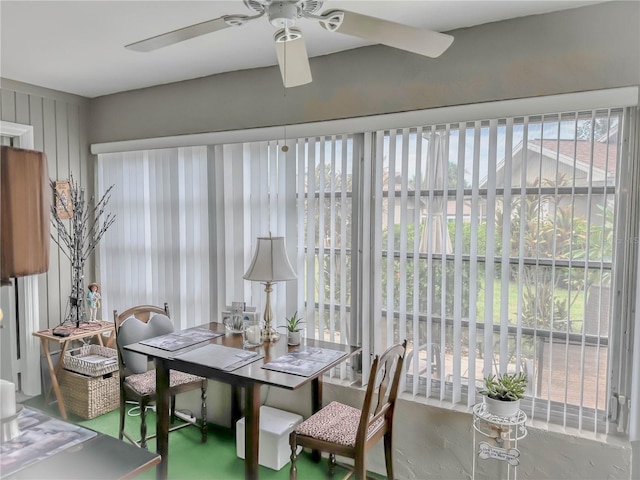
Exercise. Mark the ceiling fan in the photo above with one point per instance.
(290, 46)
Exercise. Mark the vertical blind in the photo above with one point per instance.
(185, 223)
(157, 250)
(497, 245)
(253, 196)
(303, 194)
(489, 244)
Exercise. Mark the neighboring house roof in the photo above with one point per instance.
(605, 156)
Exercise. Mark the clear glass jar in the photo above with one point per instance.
(234, 323)
(252, 333)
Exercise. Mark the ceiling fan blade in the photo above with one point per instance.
(182, 34)
(405, 37)
(292, 57)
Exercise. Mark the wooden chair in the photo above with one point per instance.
(138, 380)
(344, 430)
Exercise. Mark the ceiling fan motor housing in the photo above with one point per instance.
(284, 13)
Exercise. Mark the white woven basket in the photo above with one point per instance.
(74, 361)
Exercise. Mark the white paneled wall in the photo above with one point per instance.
(60, 128)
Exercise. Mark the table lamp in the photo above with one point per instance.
(270, 264)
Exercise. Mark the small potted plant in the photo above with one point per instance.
(293, 329)
(502, 393)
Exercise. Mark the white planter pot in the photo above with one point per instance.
(293, 338)
(501, 408)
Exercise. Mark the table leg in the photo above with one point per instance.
(236, 406)
(111, 343)
(162, 418)
(316, 405)
(60, 363)
(316, 394)
(53, 372)
(251, 431)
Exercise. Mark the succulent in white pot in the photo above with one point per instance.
(502, 393)
(292, 324)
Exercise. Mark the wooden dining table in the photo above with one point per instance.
(246, 379)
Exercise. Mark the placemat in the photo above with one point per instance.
(220, 357)
(304, 361)
(182, 339)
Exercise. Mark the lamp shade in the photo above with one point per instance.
(270, 262)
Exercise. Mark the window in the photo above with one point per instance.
(497, 245)
(491, 245)
(325, 237)
(304, 194)
(157, 250)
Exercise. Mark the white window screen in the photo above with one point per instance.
(496, 247)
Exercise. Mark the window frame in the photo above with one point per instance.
(555, 412)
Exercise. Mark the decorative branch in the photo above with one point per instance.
(78, 238)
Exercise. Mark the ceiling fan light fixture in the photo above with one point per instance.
(283, 14)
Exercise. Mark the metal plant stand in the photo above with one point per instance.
(499, 438)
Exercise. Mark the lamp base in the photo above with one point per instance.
(269, 334)
(9, 427)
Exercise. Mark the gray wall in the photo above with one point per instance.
(60, 124)
(588, 48)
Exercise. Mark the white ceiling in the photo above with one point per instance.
(78, 46)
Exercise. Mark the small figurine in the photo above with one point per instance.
(93, 301)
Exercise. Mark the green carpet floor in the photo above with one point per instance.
(190, 459)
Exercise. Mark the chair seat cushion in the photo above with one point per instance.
(335, 423)
(145, 383)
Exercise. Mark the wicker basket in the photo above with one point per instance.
(75, 362)
(89, 397)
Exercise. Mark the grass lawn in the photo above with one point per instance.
(577, 308)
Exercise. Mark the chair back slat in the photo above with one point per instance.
(135, 324)
(382, 389)
(386, 375)
(141, 312)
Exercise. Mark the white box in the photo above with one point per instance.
(274, 451)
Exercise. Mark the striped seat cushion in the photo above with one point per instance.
(335, 423)
(145, 383)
